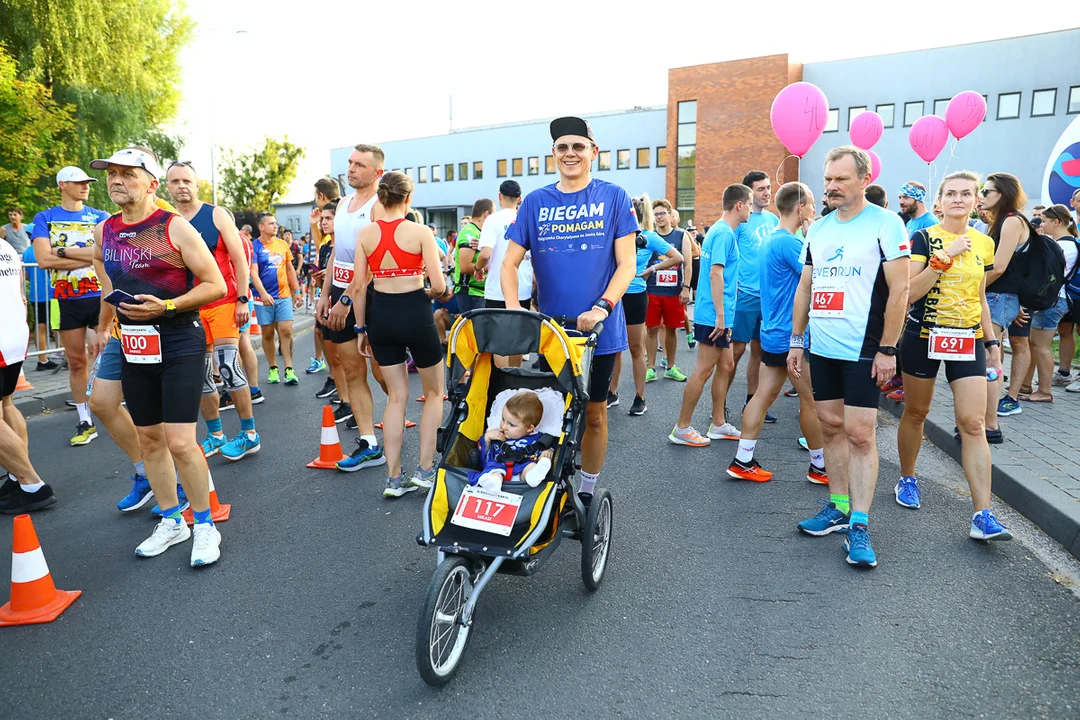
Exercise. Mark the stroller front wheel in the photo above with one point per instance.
(596, 541)
(440, 636)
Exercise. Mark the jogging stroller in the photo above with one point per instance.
(478, 532)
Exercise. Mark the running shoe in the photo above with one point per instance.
(410, 364)
(351, 423)
(994, 437)
(167, 533)
(817, 475)
(896, 383)
(84, 433)
(751, 471)
(272, 377)
(639, 407)
(857, 545)
(226, 403)
(140, 494)
(675, 374)
(663, 362)
(315, 366)
(424, 479)
(290, 377)
(907, 493)
(828, 520)
(688, 436)
(342, 413)
(896, 395)
(690, 341)
(396, 487)
(207, 546)
(769, 417)
(363, 456)
(212, 444)
(184, 504)
(257, 398)
(803, 444)
(985, 526)
(241, 446)
(650, 375)
(791, 392)
(10, 485)
(727, 431)
(1074, 387)
(612, 399)
(1006, 407)
(328, 388)
(21, 502)
(1063, 379)
(48, 365)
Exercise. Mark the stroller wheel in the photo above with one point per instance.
(440, 637)
(596, 540)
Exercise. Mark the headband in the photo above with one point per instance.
(913, 192)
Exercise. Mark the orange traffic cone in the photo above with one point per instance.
(329, 445)
(34, 598)
(424, 399)
(23, 383)
(218, 512)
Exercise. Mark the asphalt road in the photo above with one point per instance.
(713, 605)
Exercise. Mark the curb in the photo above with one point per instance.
(1056, 513)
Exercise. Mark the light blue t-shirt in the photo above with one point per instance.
(719, 248)
(849, 292)
(653, 244)
(780, 274)
(916, 224)
(750, 235)
(40, 288)
(572, 240)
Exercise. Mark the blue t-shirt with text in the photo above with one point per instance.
(750, 236)
(654, 245)
(780, 275)
(719, 248)
(572, 240)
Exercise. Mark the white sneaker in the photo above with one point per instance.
(1074, 387)
(167, 533)
(727, 431)
(207, 546)
(1060, 380)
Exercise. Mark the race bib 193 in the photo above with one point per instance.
(951, 344)
(141, 344)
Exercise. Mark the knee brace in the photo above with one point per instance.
(230, 367)
(208, 385)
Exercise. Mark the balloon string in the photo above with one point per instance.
(781, 167)
(952, 155)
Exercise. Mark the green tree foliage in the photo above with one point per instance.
(256, 180)
(32, 126)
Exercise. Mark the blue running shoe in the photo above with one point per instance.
(140, 494)
(315, 366)
(985, 526)
(803, 444)
(364, 456)
(1007, 406)
(857, 544)
(908, 493)
(184, 504)
(828, 520)
(241, 446)
(212, 444)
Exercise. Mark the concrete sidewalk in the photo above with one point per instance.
(1037, 468)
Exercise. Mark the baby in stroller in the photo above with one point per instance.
(513, 448)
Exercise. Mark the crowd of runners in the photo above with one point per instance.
(156, 301)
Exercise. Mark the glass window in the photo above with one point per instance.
(478, 170)
(549, 164)
(449, 172)
(500, 168)
(688, 112)
(912, 112)
(661, 156)
(939, 107)
(436, 173)
(423, 173)
(1074, 100)
(463, 171)
(534, 166)
(687, 155)
(1043, 102)
(604, 162)
(684, 198)
(342, 180)
(887, 113)
(408, 171)
(517, 167)
(687, 134)
(622, 157)
(643, 157)
(685, 177)
(854, 112)
(833, 123)
(1008, 106)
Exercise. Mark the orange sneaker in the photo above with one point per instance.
(751, 471)
(816, 476)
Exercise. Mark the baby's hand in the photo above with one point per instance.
(548, 454)
(495, 434)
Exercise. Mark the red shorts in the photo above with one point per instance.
(668, 308)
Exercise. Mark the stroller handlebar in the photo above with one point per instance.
(570, 325)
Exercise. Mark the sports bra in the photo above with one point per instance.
(408, 264)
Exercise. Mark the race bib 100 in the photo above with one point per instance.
(141, 344)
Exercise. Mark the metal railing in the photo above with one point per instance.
(52, 337)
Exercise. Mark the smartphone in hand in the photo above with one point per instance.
(119, 296)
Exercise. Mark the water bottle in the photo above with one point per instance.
(92, 375)
(991, 375)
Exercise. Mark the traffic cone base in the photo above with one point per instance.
(408, 424)
(34, 597)
(329, 443)
(46, 614)
(218, 512)
(23, 383)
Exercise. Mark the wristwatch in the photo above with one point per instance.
(170, 309)
(889, 350)
(345, 300)
(604, 305)
(991, 343)
(61, 252)
(242, 299)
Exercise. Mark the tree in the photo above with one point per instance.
(256, 180)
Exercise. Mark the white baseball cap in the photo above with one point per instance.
(131, 157)
(73, 174)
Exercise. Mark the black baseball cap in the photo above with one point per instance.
(510, 189)
(571, 126)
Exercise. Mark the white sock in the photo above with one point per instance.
(746, 450)
(588, 481)
(817, 457)
(538, 472)
(32, 488)
(371, 440)
(491, 480)
(84, 412)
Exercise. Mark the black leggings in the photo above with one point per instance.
(400, 322)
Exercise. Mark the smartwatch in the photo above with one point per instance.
(991, 343)
(345, 300)
(242, 299)
(170, 309)
(61, 252)
(889, 350)
(604, 305)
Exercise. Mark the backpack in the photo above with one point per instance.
(1072, 284)
(1040, 271)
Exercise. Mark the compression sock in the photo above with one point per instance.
(173, 514)
(817, 458)
(140, 469)
(749, 397)
(842, 503)
(860, 518)
(202, 518)
(84, 412)
(746, 450)
(248, 425)
(33, 487)
(214, 426)
(588, 481)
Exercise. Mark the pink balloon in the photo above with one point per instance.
(799, 113)
(875, 165)
(964, 113)
(928, 137)
(866, 129)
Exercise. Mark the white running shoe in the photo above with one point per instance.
(1074, 387)
(688, 436)
(207, 546)
(167, 533)
(727, 431)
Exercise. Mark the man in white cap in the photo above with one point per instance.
(63, 244)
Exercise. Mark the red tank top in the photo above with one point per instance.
(408, 264)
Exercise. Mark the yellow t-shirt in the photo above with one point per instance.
(326, 239)
(954, 300)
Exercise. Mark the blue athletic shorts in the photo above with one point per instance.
(280, 311)
(747, 325)
(1050, 318)
(109, 368)
(251, 311)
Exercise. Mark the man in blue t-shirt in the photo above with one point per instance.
(39, 296)
(913, 204)
(716, 307)
(581, 235)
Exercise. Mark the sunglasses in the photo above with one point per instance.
(660, 213)
(180, 163)
(986, 191)
(563, 148)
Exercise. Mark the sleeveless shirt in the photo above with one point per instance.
(347, 226)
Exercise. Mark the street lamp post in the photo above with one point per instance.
(213, 147)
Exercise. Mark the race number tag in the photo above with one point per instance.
(667, 278)
(827, 300)
(486, 510)
(952, 344)
(141, 344)
(343, 274)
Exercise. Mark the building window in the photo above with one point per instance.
(833, 123)
(854, 112)
(517, 167)
(939, 107)
(1043, 102)
(500, 168)
(688, 112)
(534, 166)
(1008, 106)
(436, 173)
(463, 171)
(643, 157)
(423, 173)
(661, 156)
(478, 170)
(449, 172)
(887, 113)
(912, 112)
(1074, 100)
(342, 181)
(549, 164)
(622, 157)
(408, 172)
(686, 160)
(604, 160)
